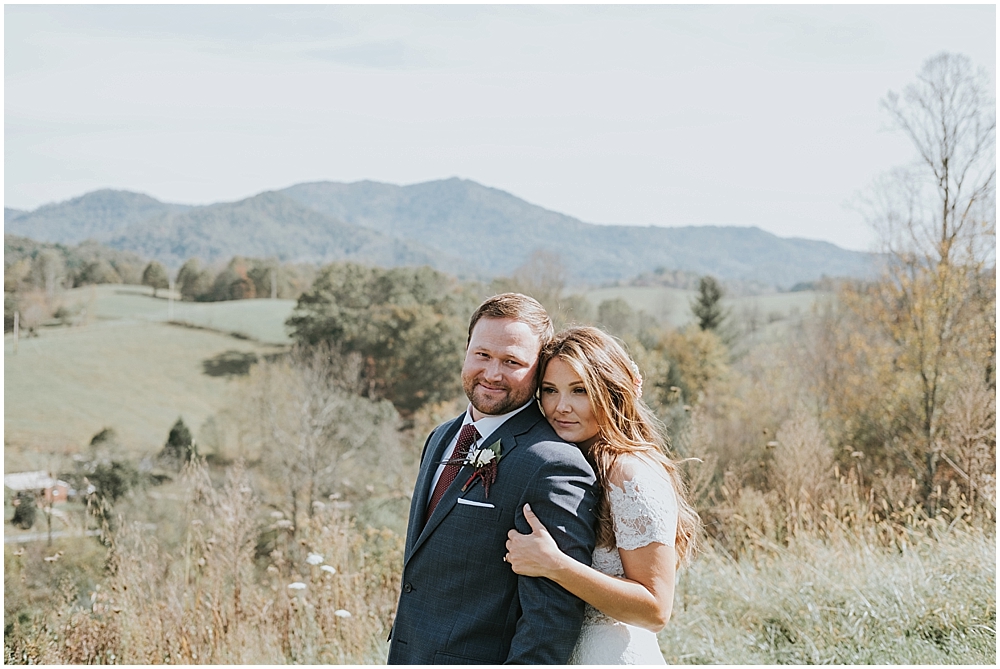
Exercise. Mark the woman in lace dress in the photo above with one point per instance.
(590, 393)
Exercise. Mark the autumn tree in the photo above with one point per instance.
(936, 219)
(233, 283)
(543, 277)
(48, 271)
(696, 359)
(313, 432)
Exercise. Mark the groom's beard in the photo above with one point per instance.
(496, 406)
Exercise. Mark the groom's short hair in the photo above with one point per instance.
(517, 307)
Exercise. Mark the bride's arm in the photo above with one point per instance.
(643, 598)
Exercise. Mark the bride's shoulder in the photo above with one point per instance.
(637, 467)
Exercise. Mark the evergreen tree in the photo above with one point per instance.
(707, 306)
(180, 446)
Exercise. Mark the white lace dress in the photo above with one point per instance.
(643, 510)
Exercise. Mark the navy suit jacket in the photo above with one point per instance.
(460, 602)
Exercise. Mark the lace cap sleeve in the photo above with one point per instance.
(644, 508)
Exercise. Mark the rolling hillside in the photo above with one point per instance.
(98, 215)
(269, 224)
(456, 225)
(127, 368)
(504, 230)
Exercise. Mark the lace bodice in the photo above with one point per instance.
(643, 510)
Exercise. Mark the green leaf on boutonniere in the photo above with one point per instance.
(485, 456)
(485, 461)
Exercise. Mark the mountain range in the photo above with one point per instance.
(455, 225)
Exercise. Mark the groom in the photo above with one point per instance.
(460, 602)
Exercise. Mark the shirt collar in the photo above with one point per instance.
(487, 425)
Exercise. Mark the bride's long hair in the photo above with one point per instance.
(626, 424)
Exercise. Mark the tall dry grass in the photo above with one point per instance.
(843, 600)
(217, 600)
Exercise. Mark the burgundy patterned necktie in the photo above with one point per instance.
(466, 438)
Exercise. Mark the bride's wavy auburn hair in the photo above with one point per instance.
(626, 424)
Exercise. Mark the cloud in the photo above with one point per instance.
(383, 55)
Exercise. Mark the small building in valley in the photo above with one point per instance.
(49, 490)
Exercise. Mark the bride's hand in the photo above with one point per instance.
(534, 554)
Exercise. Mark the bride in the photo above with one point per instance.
(590, 393)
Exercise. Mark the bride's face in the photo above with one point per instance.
(567, 406)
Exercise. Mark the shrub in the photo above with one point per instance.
(24, 510)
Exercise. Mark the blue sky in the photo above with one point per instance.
(646, 115)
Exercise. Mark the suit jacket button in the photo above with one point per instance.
(407, 587)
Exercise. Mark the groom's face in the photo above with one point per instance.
(500, 366)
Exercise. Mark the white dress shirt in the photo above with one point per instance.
(485, 426)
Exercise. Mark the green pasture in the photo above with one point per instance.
(124, 366)
(672, 306)
(668, 305)
(262, 320)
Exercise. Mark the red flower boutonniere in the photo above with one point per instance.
(485, 461)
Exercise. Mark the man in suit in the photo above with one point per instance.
(460, 602)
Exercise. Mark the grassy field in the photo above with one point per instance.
(672, 305)
(828, 602)
(262, 320)
(127, 368)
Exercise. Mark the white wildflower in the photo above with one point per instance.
(298, 585)
(328, 568)
(342, 613)
(314, 559)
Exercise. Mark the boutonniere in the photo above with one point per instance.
(485, 461)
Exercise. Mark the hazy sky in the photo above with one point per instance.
(649, 115)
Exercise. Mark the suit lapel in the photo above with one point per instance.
(421, 490)
(506, 433)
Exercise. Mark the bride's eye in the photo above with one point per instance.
(548, 390)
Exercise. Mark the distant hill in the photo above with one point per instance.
(502, 231)
(456, 225)
(9, 214)
(269, 224)
(98, 215)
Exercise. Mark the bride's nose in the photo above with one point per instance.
(562, 406)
